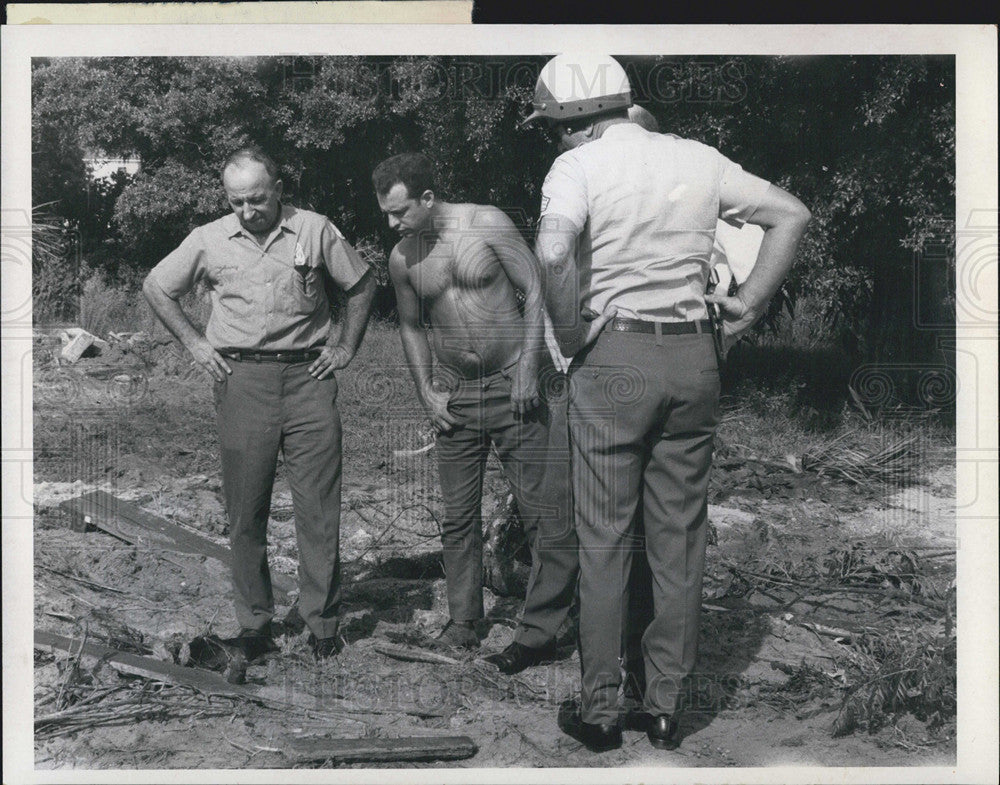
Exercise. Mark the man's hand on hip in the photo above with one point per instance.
(331, 358)
(209, 359)
(586, 334)
(437, 409)
(737, 316)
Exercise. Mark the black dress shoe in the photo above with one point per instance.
(662, 732)
(516, 657)
(253, 643)
(596, 737)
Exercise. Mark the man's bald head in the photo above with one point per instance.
(251, 155)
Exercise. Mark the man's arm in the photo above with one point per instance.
(357, 310)
(169, 311)
(416, 347)
(521, 268)
(784, 219)
(555, 247)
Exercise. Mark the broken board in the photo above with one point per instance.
(299, 750)
(372, 750)
(128, 522)
(203, 681)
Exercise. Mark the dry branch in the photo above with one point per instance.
(408, 654)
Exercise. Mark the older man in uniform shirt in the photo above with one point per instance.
(627, 225)
(268, 347)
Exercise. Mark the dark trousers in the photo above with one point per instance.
(262, 408)
(642, 416)
(533, 453)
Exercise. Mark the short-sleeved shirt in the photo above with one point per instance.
(268, 297)
(646, 206)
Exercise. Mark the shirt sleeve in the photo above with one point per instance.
(182, 268)
(343, 263)
(564, 191)
(740, 193)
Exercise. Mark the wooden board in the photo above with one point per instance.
(317, 750)
(298, 750)
(203, 681)
(134, 525)
(210, 683)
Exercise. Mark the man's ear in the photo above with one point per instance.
(279, 188)
(427, 198)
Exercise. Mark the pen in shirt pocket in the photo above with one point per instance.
(301, 265)
(303, 271)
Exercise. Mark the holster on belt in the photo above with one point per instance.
(718, 335)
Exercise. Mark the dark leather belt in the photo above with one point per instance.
(245, 356)
(621, 325)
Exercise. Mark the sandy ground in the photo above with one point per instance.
(141, 428)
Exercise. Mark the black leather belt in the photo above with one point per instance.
(621, 325)
(245, 356)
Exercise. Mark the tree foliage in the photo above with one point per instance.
(866, 142)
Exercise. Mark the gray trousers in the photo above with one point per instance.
(642, 417)
(533, 453)
(262, 408)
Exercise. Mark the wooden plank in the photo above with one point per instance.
(134, 525)
(378, 750)
(210, 683)
(203, 681)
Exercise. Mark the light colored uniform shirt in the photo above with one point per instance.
(646, 206)
(269, 297)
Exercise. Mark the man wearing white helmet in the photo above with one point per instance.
(625, 239)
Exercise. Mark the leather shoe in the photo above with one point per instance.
(457, 635)
(662, 732)
(253, 643)
(596, 737)
(324, 647)
(516, 657)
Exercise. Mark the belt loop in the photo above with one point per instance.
(697, 326)
(659, 333)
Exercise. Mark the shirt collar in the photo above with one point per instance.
(622, 128)
(286, 223)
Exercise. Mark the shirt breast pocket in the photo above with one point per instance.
(306, 285)
(223, 277)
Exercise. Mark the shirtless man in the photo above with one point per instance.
(455, 271)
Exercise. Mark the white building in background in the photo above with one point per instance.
(101, 166)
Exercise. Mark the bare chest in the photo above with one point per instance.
(455, 265)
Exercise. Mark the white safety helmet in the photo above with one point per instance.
(577, 86)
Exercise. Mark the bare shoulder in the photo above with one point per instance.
(398, 261)
(484, 216)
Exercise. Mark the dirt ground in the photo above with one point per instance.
(772, 679)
